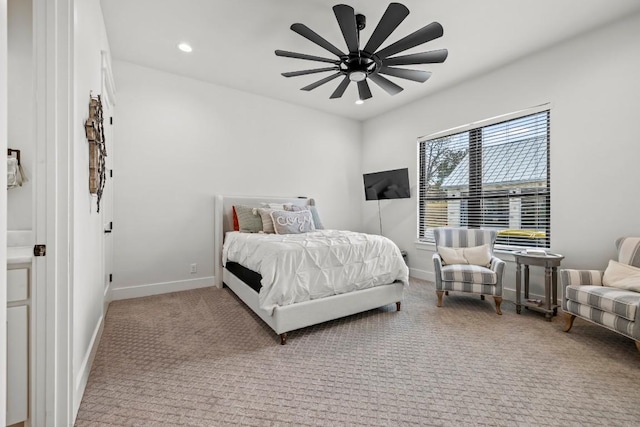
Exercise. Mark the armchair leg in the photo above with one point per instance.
(440, 293)
(498, 301)
(568, 323)
(638, 345)
(446, 292)
(482, 297)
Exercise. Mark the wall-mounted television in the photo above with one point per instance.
(391, 184)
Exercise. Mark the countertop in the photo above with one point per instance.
(19, 255)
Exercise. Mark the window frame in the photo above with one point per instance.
(475, 162)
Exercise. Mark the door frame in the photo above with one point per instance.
(3, 212)
(52, 287)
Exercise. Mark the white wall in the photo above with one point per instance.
(592, 83)
(181, 141)
(88, 284)
(20, 113)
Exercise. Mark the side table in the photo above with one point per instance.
(550, 262)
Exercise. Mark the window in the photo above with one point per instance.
(493, 176)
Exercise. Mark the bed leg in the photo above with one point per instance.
(398, 305)
(283, 338)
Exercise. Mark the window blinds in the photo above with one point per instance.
(494, 176)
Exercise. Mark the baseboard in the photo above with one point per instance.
(160, 288)
(421, 274)
(85, 368)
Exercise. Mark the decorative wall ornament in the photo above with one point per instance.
(97, 149)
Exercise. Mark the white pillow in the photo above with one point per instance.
(478, 255)
(475, 255)
(452, 255)
(622, 276)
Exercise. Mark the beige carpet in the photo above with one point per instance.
(202, 358)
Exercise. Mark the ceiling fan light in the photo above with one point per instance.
(357, 76)
(359, 102)
(185, 47)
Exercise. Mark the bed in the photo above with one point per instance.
(292, 316)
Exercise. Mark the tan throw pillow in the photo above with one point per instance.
(452, 255)
(267, 221)
(476, 255)
(622, 276)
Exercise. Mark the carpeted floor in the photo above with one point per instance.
(202, 358)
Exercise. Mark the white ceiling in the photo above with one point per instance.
(234, 41)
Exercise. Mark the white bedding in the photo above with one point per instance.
(302, 267)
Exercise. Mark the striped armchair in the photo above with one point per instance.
(467, 277)
(586, 297)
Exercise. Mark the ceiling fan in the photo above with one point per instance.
(358, 65)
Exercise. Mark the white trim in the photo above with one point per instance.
(160, 288)
(85, 367)
(52, 375)
(487, 122)
(108, 83)
(422, 274)
(3, 212)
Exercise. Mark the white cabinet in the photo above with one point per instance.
(17, 345)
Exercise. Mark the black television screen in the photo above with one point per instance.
(392, 184)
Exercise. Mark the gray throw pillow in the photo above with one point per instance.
(314, 214)
(289, 222)
(248, 222)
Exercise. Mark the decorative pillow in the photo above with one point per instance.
(248, 222)
(475, 255)
(452, 255)
(267, 221)
(289, 222)
(478, 255)
(236, 226)
(622, 276)
(314, 213)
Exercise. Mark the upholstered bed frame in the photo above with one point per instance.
(295, 316)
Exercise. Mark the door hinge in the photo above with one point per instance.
(110, 277)
(39, 250)
(110, 120)
(110, 173)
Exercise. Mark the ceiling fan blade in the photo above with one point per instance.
(363, 90)
(311, 35)
(415, 75)
(390, 87)
(432, 57)
(393, 16)
(321, 82)
(304, 56)
(346, 17)
(423, 35)
(304, 72)
(341, 88)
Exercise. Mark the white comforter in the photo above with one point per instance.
(302, 267)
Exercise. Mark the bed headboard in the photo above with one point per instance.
(223, 220)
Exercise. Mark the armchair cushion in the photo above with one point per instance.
(467, 273)
(621, 302)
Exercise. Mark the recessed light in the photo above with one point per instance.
(185, 47)
(359, 102)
